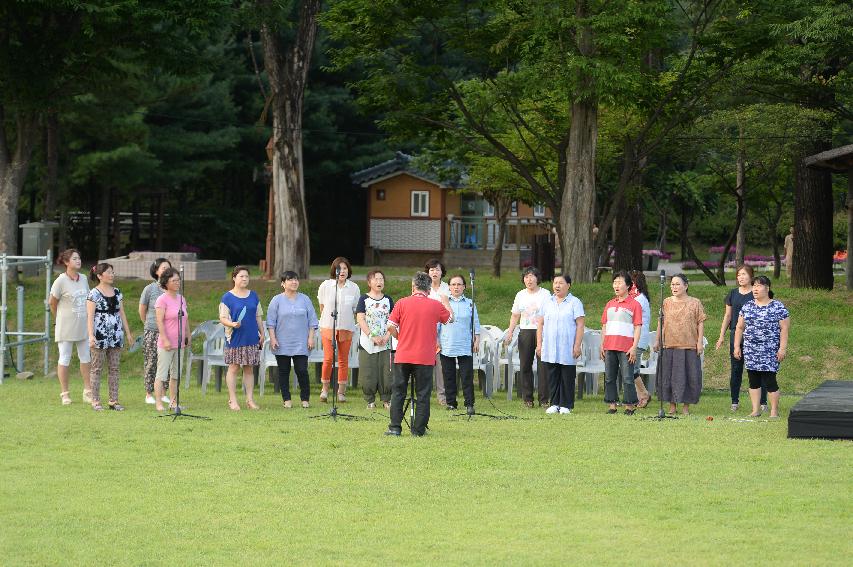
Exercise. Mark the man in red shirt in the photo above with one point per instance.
(414, 322)
(621, 324)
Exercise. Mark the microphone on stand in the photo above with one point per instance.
(471, 275)
(663, 276)
(337, 272)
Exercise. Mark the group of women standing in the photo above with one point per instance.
(550, 330)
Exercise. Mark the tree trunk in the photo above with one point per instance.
(287, 68)
(683, 232)
(103, 226)
(134, 224)
(775, 217)
(812, 224)
(578, 203)
(502, 206)
(850, 230)
(51, 177)
(740, 246)
(14, 166)
(629, 237)
(115, 201)
(662, 228)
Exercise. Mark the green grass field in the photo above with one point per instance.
(274, 487)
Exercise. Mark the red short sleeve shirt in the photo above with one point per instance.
(619, 319)
(417, 318)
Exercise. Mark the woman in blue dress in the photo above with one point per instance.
(763, 327)
(242, 315)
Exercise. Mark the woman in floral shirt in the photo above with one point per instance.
(763, 325)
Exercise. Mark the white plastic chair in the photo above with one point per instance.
(204, 330)
(650, 364)
(215, 355)
(268, 361)
(590, 362)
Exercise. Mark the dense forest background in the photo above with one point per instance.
(143, 126)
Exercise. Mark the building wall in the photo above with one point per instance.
(398, 197)
(406, 234)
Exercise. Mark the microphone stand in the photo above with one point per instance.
(333, 412)
(661, 415)
(473, 413)
(177, 411)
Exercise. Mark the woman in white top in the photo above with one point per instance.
(68, 306)
(435, 269)
(337, 288)
(527, 304)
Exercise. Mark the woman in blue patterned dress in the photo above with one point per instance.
(763, 326)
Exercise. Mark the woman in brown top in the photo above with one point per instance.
(679, 372)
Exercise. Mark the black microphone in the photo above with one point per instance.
(663, 276)
(337, 272)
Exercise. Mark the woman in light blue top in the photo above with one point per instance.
(292, 322)
(456, 342)
(558, 342)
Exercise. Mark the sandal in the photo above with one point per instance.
(233, 406)
(252, 405)
(644, 402)
(116, 407)
(288, 404)
(87, 396)
(66, 398)
(97, 406)
(305, 404)
(324, 396)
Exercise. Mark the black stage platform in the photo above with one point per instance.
(826, 412)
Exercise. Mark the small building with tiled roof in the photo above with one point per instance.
(414, 215)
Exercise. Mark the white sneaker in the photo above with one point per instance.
(553, 409)
(565, 410)
(149, 399)
(165, 400)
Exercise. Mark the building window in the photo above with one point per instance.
(488, 209)
(380, 194)
(420, 203)
(538, 210)
(513, 209)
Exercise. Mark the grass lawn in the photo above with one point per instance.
(274, 487)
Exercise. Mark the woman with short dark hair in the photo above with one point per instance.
(241, 313)
(340, 290)
(291, 323)
(173, 334)
(524, 314)
(762, 328)
(438, 289)
(680, 362)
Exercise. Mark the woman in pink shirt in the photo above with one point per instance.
(171, 309)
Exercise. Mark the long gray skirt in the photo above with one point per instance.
(679, 376)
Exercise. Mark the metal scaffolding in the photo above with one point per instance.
(23, 337)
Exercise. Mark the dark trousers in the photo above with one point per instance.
(300, 365)
(526, 352)
(737, 374)
(422, 375)
(561, 377)
(466, 373)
